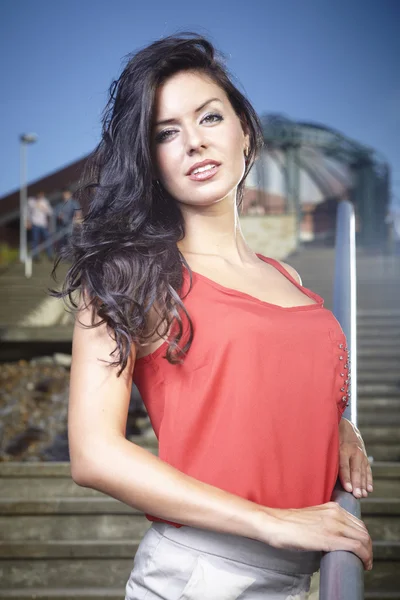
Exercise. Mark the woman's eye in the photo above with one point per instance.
(164, 135)
(213, 118)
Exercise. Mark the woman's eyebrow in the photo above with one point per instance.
(169, 121)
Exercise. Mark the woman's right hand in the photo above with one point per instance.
(325, 527)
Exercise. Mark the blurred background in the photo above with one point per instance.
(324, 78)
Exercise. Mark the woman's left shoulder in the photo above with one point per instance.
(292, 271)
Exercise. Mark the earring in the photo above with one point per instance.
(246, 152)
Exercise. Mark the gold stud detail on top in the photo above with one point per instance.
(346, 366)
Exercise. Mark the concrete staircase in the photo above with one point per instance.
(22, 298)
(60, 541)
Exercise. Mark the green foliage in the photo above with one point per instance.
(7, 254)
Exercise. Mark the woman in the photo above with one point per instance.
(239, 365)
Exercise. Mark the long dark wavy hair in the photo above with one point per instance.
(124, 254)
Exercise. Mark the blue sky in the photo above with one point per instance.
(334, 63)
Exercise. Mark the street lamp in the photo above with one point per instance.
(25, 139)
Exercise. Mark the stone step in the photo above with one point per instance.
(384, 337)
(72, 549)
(371, 403)
(380, 323)
(366, 390)
(126, 525)
(17, 470)
(384, 551)
(390, 353)
(85, 505)
(44, 487)
(378, 404)
(386, 488)
(365, 325)
(386, 470)
(382, 435)
(383, 452)
(21, 296)
(25, 488)
(380, 506)
(40, 528)
(64, 594)
(378, 595)
(102, 504)
(108, 564)
(13, 475)
(378, 320)
(53, 494)
(382, 518)
(372, 507)
(368, 331)
(67, 572)
(11, 284)
(385, 575)
(378, 344)
(379, 376)
(36, 469)
(382, 370)
(365, 331)
(380, 313)
(54, 333)
(378, 363)
(383, 325)
(380, 419)
(383, 528)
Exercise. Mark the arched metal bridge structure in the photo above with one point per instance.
(307, 164)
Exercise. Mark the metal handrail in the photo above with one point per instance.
(344, 292)
(342, 573)
(43, 246)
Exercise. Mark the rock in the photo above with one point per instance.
(42, 360)
(49, 385)
(33, 410)
(58, 450)
(22, 441)
(62, 359)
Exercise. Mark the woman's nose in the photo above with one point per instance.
(194, 141)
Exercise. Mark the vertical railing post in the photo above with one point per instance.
(345, 292)
(342, 573)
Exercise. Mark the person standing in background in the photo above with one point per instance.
(67, 212)
(39, 212)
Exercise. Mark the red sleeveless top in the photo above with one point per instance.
(255, 406)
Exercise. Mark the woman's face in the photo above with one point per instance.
(194, 122)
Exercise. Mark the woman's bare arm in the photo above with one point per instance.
(102, 458)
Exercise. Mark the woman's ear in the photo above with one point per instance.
(246, 137)
(246, 146)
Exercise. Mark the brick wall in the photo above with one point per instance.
(271, 235)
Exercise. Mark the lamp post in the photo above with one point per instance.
(25, 139)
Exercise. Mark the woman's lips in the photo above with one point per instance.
(204, 175)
